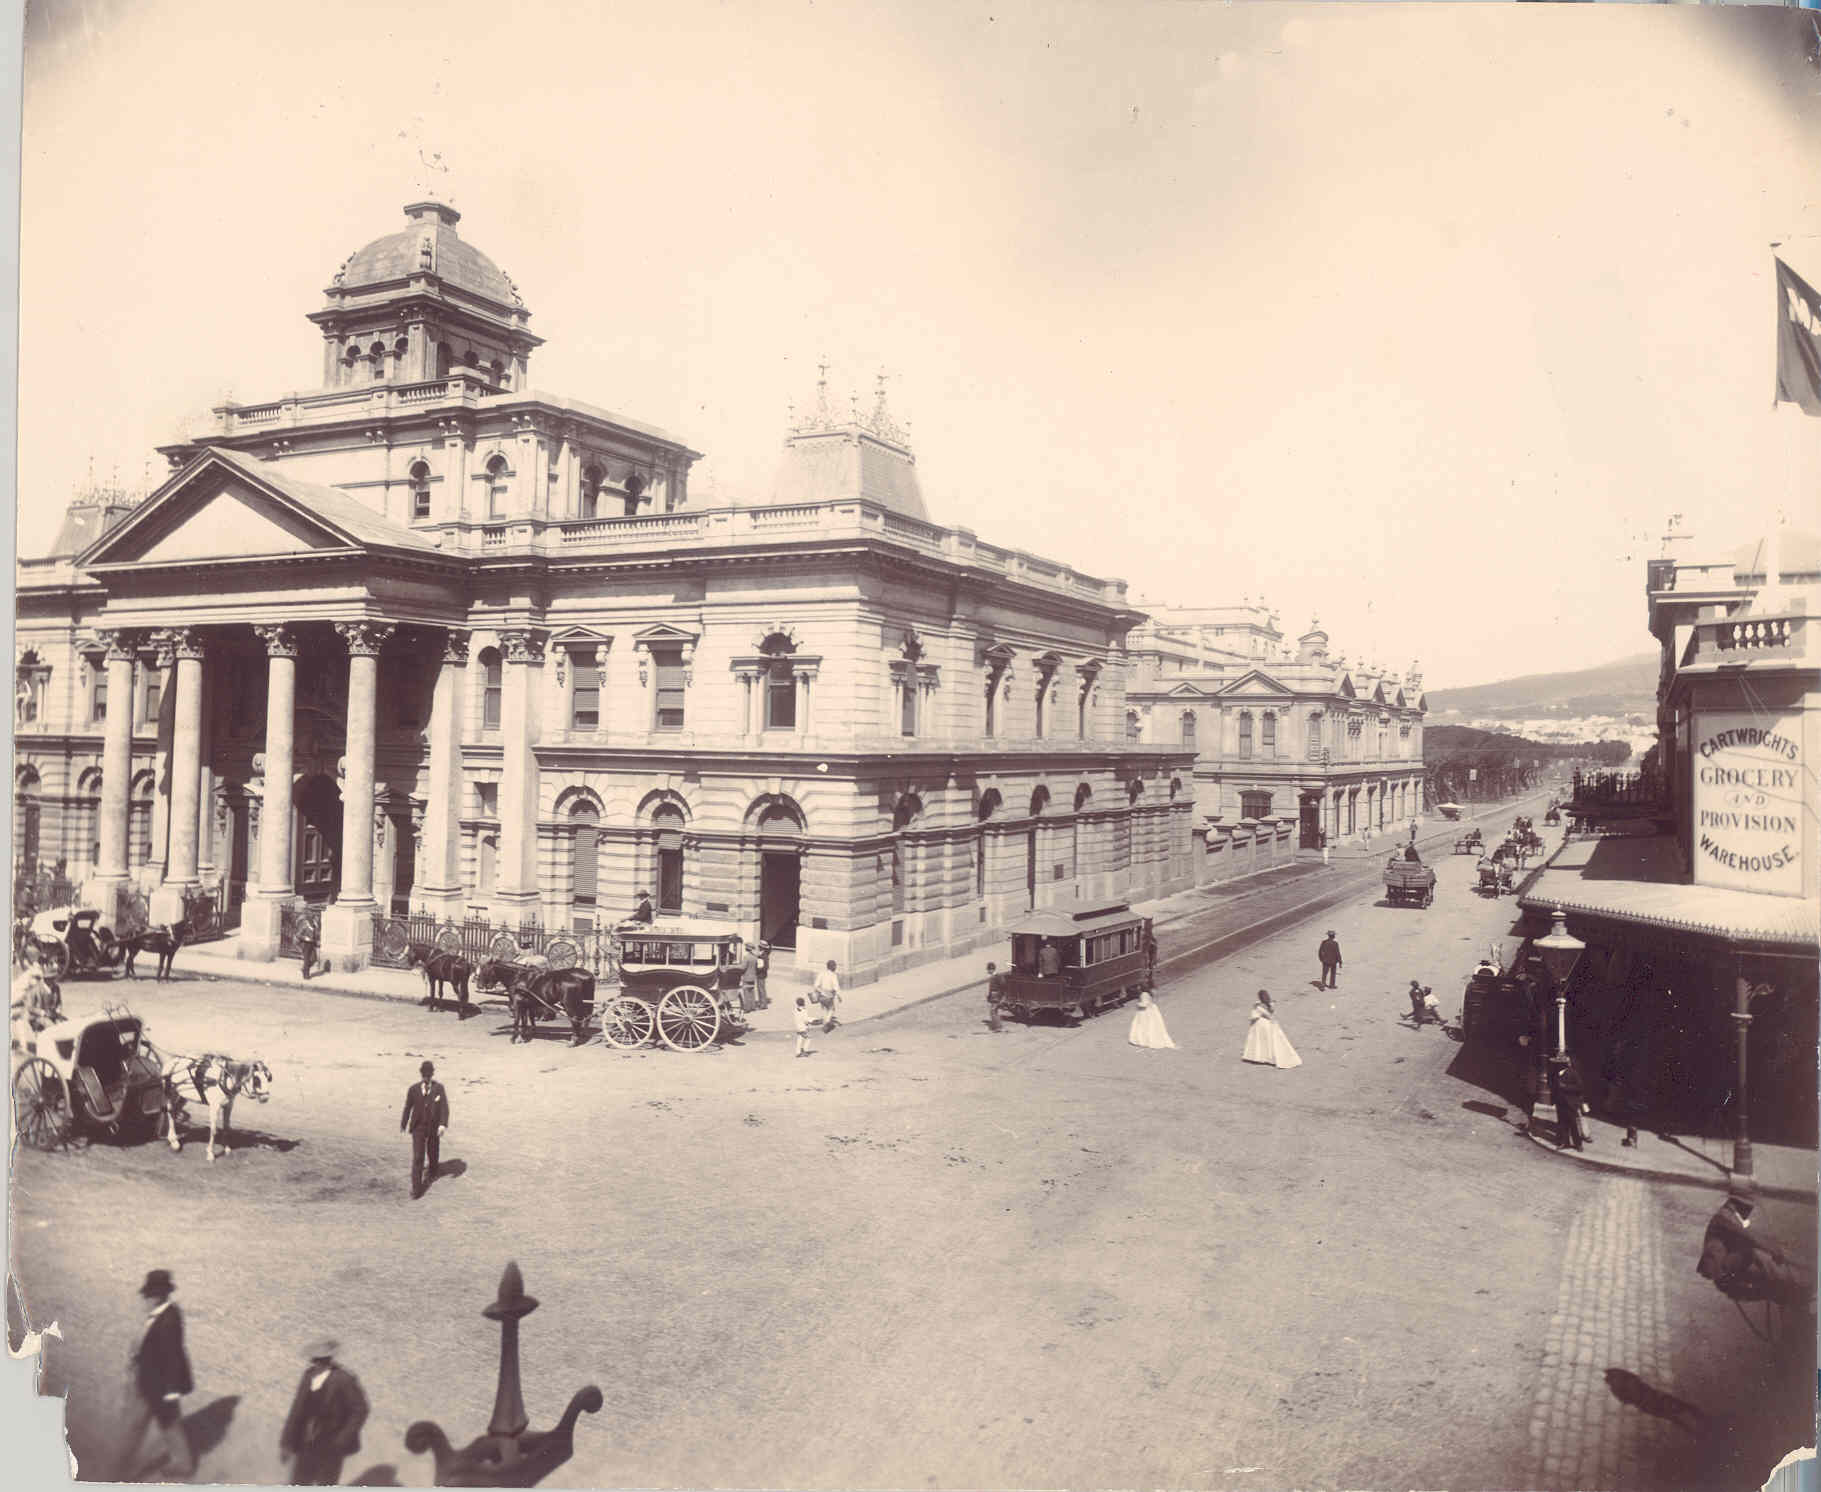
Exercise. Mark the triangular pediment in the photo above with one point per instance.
(1399, 701)
(663, 632)
(1255, 683)
(1347, 691)
(1378, 694)
(226, 506)
(1187, 691)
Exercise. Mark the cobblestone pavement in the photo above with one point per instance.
(928, 1256)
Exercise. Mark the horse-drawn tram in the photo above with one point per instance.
(679, 984)
(1081, 959)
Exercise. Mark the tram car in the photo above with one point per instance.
(1078, 960)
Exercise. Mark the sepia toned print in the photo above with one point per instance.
(740, 600)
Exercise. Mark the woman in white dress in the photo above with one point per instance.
(1266, 1042)
(1147, 1025)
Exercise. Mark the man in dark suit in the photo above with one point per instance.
(161, 1377)
(426, 1116)
(323, 1426)
(1329, 954)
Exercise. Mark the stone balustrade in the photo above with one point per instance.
(295, 410)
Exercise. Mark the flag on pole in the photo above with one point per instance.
(1798, 341)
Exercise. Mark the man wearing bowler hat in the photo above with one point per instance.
(323, 1426)
(161, 1377)
(426, 1115)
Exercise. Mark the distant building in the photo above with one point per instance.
(1699, 897)
(427, 643)
(1278, 733)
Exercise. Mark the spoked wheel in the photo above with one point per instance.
(688, 1018)
(628, 1022)
(56, 959)
(41, 1106)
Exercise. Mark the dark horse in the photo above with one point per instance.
(162, 941)
(441, 968)
(539, 992)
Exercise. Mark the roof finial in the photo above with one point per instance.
(822, 388)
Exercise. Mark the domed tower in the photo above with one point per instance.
(1312, 646)
(419, 303)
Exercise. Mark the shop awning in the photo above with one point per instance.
(1639, 880)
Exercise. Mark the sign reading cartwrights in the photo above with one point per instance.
(1748, 802)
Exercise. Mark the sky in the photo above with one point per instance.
(1419, 319)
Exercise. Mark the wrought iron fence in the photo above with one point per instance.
(37, 887)
(295, 919)
(205, 913)
(478, 940)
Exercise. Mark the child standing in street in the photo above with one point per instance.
(802, 1026)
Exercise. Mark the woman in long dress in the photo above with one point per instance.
(1147, 1025)
(1265, 1041)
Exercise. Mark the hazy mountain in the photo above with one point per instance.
(1627, 686)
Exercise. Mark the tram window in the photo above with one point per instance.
(681, 953)
(1024, 954)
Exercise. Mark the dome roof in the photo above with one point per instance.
(429, 245)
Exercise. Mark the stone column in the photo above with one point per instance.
(159, 846)
(272, 826)
(186, 768)
(106, 887)
(441, 889)
(515, 885)
(347, 923)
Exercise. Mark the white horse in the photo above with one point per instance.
(216, 1081)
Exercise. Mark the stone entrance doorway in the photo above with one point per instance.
(318, 839)
(780, 890)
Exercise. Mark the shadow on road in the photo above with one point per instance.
(383, 1475)
(208, 1426)
(1630, 1389)
(1493, 1072)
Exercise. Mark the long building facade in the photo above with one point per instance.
(428, 640)
(1279, 732)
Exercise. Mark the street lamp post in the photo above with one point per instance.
(1744, 992)
(1560, 954)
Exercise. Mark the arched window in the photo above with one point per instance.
(1083, 796)
(88, 817)
(498, 370)
(26, 818)
(1040, 800)
(1245, 735)
(989, 805)
(490, 688)
(139, 820)
(1315, 736)
(584, 822)
(635, 485)
(498, 487)
(443, 360)
(486, 864)
(668, 821)
(350, 364)
(1268, 737)
(376, 355)
(400, 349)
(420, 490)
(907, 812)
(1188, 728)
(589, 499)
(1134, 727)
(28, 693)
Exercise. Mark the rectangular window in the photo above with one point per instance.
(907, 706)
(420, 502)
(1270, 735)
(154, 696)
(780, 701)
(667, 663)
(1245, 737)
(98, 698)
(585, 700)
(897, 880)
(980, 866)
(490, 699)
(486, 800)
(1255, 805)
(992, 691)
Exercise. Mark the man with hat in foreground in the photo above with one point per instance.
(161, 1377)
(323, 1426)
(426, 1116)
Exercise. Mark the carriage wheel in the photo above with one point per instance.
(688, 1018)
(41, 1106)
(628, 1022)
(562, 953)
(56, 959)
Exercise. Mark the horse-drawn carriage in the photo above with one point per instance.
(1408, 882)
(95, 1072)
(1553, 816)
(1497, 1007)
(1497, 876)
(1470, 843)
(679, 983)
(72, 940)
(1078, 960)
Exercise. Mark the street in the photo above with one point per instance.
(934, 1256)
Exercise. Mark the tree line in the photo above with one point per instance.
(1463, 765)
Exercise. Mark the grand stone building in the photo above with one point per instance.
(430, 640)
(1279, 732)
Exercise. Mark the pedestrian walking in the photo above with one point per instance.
(1329, 954)
(1432, 1008)
(1147, 1029)
(827, 994)
(323, 1427)
(1266, 1043)
(307, 943)
(764, 971)
(1324, 848)
(995, 996)
(426, 1116)
(803, 1019)
(1568, 1093)
(160, 1377)
(1416, 1004)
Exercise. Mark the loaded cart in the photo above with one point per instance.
(1078, 960)
(1409, 883)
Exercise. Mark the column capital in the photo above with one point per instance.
(523, 645)
(281, 640)
(120, 644)
(455, 646)
(364, 639)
